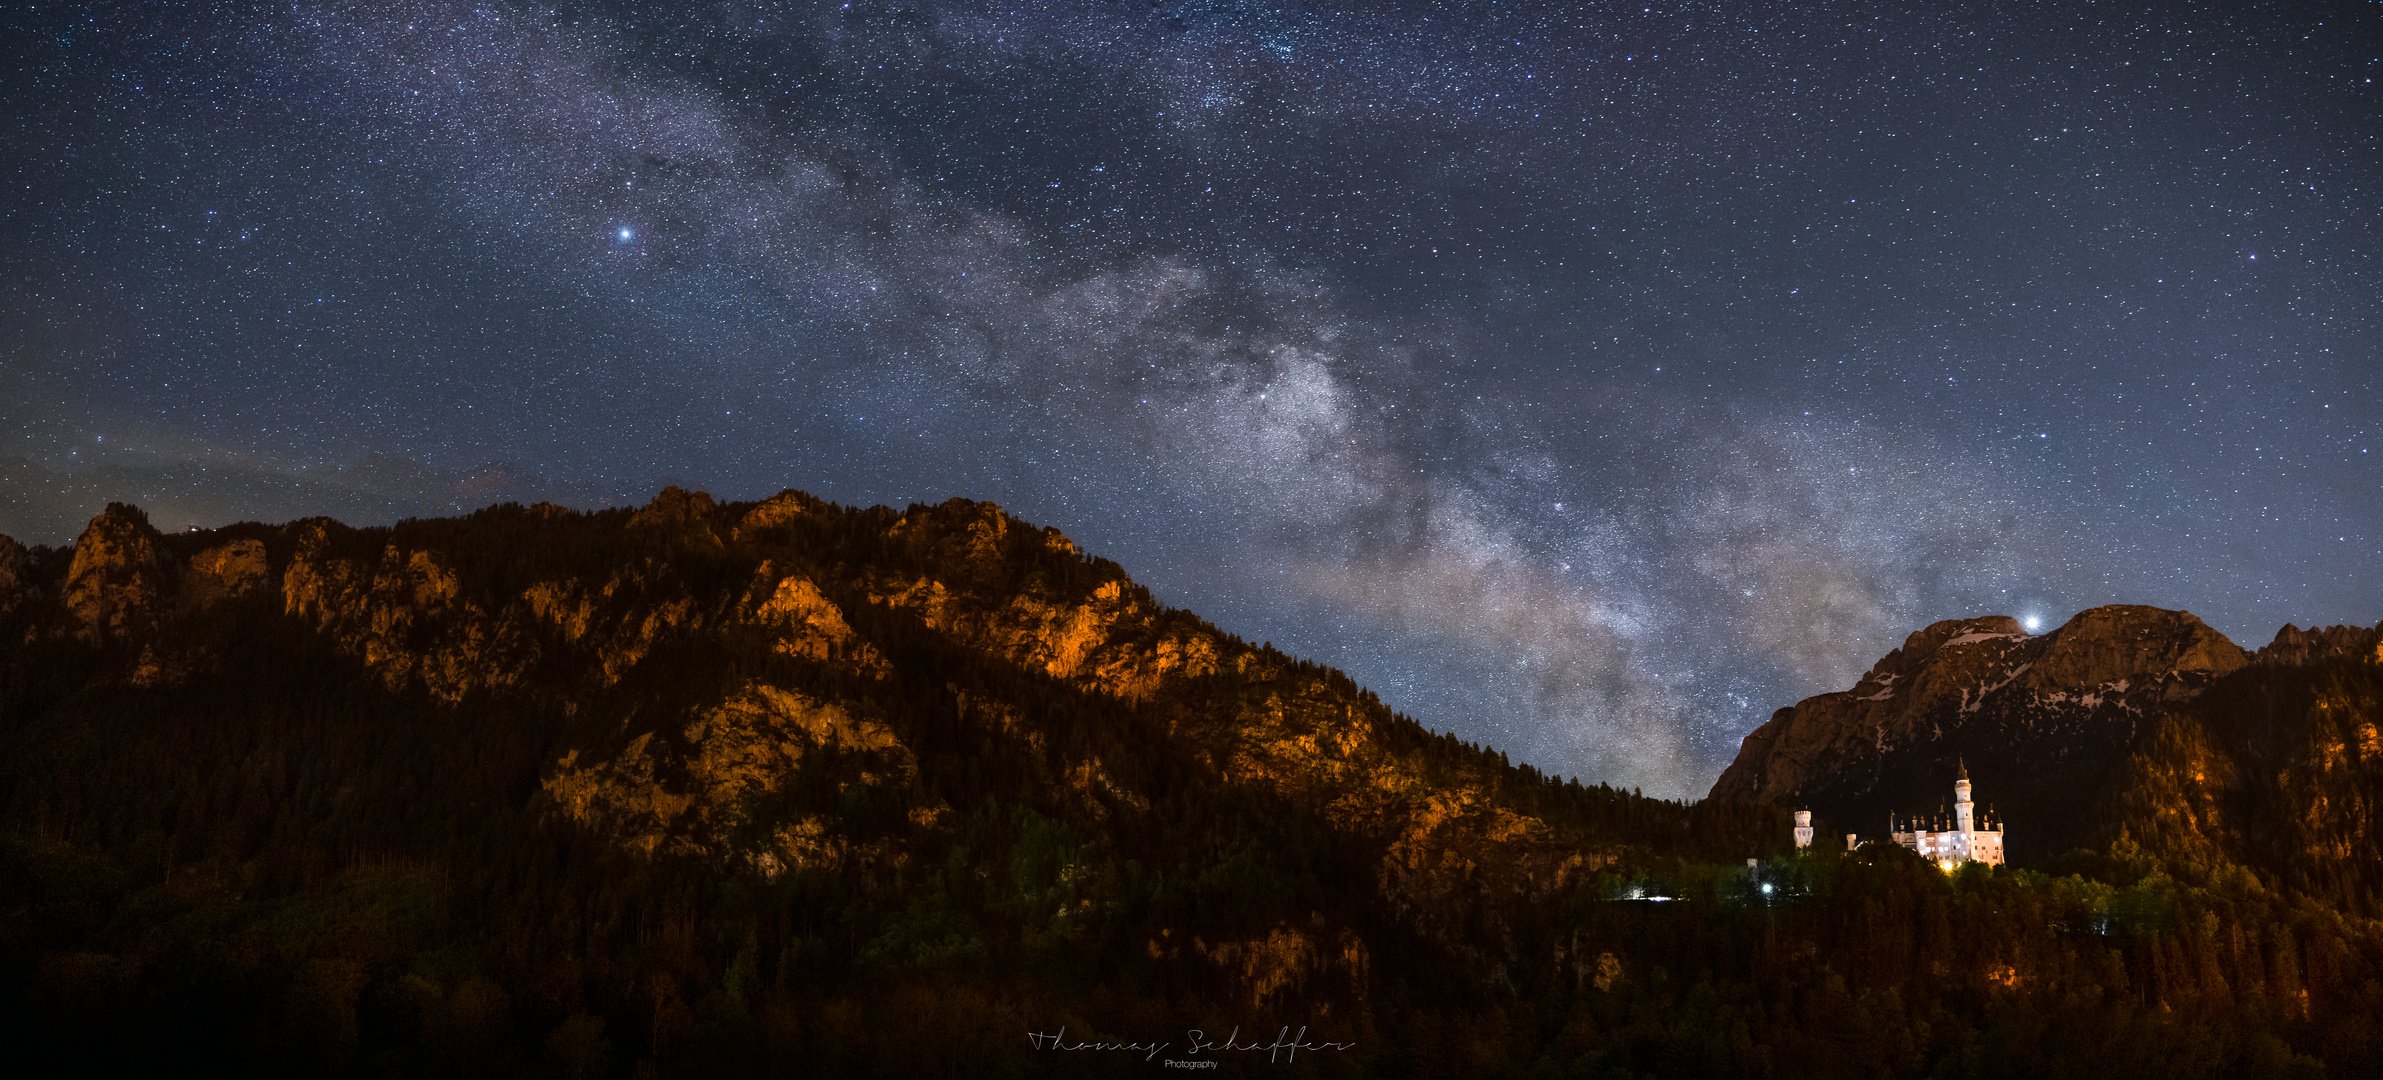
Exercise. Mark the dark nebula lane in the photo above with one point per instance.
(1589, 379)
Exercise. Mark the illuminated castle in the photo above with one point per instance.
(1948, 843)
(1954, 842)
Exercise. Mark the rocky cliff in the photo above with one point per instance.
(2295, 647)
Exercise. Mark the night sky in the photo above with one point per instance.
(1589, 379)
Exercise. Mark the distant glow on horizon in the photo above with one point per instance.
(2032, 623)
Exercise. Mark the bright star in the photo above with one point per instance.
(627, 234)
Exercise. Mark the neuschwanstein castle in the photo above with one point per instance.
(1947, 843)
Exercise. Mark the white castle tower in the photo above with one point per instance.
(1803, 829)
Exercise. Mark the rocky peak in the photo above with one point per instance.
(1923, 645)
(1949, 657)
(117, 582)
(2121, 642)
(960, 534)
(232, 571)
(2294, 646)
(681, 514)
(778, 510)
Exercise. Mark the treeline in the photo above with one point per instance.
(1874, 963)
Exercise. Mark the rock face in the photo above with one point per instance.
(2039, 721)
(117, 584)
(747, 748)
(405, 613)
(233, 571)
(2294, 646)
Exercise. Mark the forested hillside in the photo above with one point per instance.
(786, 788)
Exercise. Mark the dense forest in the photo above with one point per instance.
(796, 789)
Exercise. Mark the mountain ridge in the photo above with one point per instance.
(428, 610)
(783, 787)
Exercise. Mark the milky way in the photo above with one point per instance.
(1588, 380)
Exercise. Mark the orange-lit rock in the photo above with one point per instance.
(811, 625)
(117, 583)
(233, 571)
(692, 789)
(405, 615)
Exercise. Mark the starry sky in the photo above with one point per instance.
(1589, 379)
